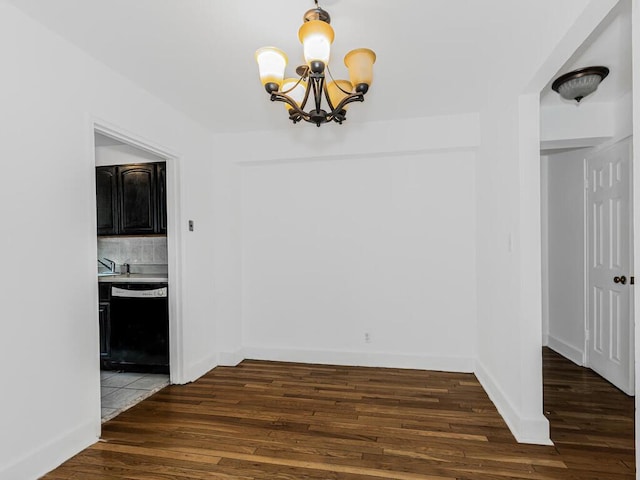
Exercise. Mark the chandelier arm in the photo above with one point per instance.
(336, 83)
(317, 83)
(281, 97)
(338, 111)
(292, 88)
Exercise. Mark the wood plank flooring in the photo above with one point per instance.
(285, 421)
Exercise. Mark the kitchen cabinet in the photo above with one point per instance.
(162, 197)
(104, 319)
(137, 199)
(107, 200)
(131, 199)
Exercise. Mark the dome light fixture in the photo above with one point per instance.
(578, 84)
(316, 36)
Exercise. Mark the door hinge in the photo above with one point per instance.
(586, 184)
(632, 280)
(587, 336)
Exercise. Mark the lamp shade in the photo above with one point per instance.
(360, 64)
(578, 84)
(336, 94)
(316, 37)
(271, 63)
(297, 91)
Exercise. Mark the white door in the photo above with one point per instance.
(610, 348)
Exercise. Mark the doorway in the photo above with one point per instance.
(587, 218)
(133, 256)
(586, 192)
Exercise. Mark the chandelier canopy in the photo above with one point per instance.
(316, 36)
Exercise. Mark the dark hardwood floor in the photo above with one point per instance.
(285, 421)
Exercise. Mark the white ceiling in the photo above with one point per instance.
(198, 55)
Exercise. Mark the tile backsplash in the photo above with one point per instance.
(133, 250)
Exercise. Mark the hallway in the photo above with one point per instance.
(592, 422)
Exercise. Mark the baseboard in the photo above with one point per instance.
(568, 351)
(545, 339)
(230, 359)
(361, 359)
(525, 430)
(52, 454)
(199, 368)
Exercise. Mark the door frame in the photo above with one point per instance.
(174, 240)
(587, 287)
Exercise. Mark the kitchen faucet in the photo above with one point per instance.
(111, 265)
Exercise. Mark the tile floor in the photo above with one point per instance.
(122, 390)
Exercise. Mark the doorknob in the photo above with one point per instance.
(621, 279)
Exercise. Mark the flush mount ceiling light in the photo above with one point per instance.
(316, 36)
(578, 84)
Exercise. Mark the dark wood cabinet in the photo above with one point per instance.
(131, 199)
(104, 319)
(137, 199)
(107, 200)
(161, 180)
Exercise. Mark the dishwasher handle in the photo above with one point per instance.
(160, 292)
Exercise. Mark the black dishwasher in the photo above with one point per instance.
(139, 336)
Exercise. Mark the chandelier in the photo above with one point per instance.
(316, 36)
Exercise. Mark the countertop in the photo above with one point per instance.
(134, 278)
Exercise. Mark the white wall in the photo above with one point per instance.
(566, 273)
(509, 231)
(299, 186)
(377, 245)
(50, 92)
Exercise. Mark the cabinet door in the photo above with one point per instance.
(104, 317)
(162, 198)
(107, 200)
(137, 193)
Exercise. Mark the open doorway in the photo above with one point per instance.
(133, 274)
(586, 192)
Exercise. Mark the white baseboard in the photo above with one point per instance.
(52, 454)
(230, 359)
(545, 339)
(199, 368)
(568, 351)
(525, 430)
(361, 359)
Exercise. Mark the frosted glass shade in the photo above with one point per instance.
(580, 87)
(335, 94)
(271, 63)
(316, 37)
(297, 94)
(360, 64)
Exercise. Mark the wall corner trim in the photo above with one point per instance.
(534, 430)
(230, 359)
(568, 351)
(201, 367)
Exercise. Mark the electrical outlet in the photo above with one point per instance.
(367, 337)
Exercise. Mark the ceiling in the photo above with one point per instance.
(198, 55)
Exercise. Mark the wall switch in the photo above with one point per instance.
(191, 225)
(367, 337)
